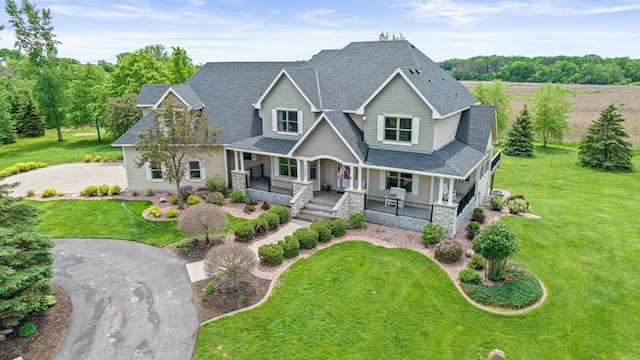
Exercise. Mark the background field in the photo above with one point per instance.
(588, 100)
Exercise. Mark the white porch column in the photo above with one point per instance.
(450, 196)
(241, 156)
(299, 174)
(235, 161)
(440, 195)
(305, 167)
(351, 172)
(359, 178)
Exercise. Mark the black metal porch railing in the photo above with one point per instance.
(496, 160)
(257, 180)
(466, 199)
(410, 209)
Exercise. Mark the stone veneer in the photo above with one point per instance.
(239, 180)
(356, 201)
(302, 193)
(445, 216)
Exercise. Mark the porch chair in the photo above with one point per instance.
(396, 197)
(445, 193)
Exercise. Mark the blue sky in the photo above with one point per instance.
(242, 30)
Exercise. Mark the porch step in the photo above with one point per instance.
(319, 207)
(317, 213)
(325, 203)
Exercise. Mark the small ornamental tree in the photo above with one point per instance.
(520, 136)
(496, 242)
(203, 217)
(604, 147)
(25, 260)
(230, 261)
(551, 106)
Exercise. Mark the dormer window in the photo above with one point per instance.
(288, 121)
(397, 129)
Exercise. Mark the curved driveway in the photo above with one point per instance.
(130, 301)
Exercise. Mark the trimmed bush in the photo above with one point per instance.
(172, 213)
(154, 210)
(260, 225)
(448, 251)
(11, 170)
(476, 262)
(194, 200)
(272, 254)
(356, 220)
(174, 199)
(103, 189)
(307, 237)
(265, 206)
(27, 329)
(215, 198)
(433, 234)
(290, 247)
(337, 226)
(90, 190)
(217, 184)
(244, 232)
(468, 276)
(282, 212)
(115, 190)
(30, 193)
(148, 191)
(22, 167)
(478, 215)
(87, 158)
(323, 230)
(51, 192)
(272, 219)
(473, 228)
(186, 191)
(97, 158)
(517, 206)
(496, 202)
(238, 197)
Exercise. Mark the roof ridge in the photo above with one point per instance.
(319, 90)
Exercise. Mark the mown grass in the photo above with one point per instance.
(47, 148)
(355, 300)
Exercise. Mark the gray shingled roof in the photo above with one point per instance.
(131, 136)
(188, 95)
(151, 93)
(475, 126)
(350, 131)
(307, 81)
(320, 57)
(264, 144)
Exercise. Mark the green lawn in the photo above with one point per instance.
(48, 149)
(355, 300)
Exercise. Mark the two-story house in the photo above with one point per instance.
(379, 122)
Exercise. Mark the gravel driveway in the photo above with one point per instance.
(130, 301)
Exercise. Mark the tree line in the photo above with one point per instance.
(588, 69)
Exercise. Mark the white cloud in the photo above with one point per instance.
(324, 17)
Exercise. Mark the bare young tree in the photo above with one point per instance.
(230, 261)
(203, 217)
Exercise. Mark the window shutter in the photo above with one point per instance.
(274, 119)
(415, 130)
(300, 123)
(254, 157)
(187, 175)
(276, 166)
(415, 184)
(382, 181)
(203, 175)
(147, 167)
(380, 127)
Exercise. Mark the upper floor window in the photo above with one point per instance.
(288, 121)
(397, 129)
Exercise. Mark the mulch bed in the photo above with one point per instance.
(191, 251)
(51, 325)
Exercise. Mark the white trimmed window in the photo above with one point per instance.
(313, 169)
(195, 172)
(288, 121)
(288, 167)
(401, 130)
(399, 179)
(154, 171)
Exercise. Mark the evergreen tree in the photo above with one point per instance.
(604, 147)
(30, 123)
(7, 129)
(520, 137)
(25, 260)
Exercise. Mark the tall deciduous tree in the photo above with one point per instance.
(121, 114)
(520, 136)
(604, 146)
(551, 106)
(495, 94)
(135, 69)
(88, 96)
(178, 133)
(25, 260)
(181, 66)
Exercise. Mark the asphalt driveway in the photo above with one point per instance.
(130, 301)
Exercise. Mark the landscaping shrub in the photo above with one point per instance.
(468, 276)
(27, 329)
(517, 206)
(476, 262)
(238, 197)
(103, 189)
(115, 190)
(337, 226)
(265, 206)
(87, 158)
(448, 251)
(272, 254)
(217, 184)
(433, 234)
(473, 228)
(253, 202)
(307, 237)
(60, 193)
(49, 193)
(172, 213)
(194, 200)
(30, 193)
(244, 232)
(97, 158)
(174, 199)
(282, 212)
(290, 247)
(22, 167)
(105, 159)
(186, 191)
(209, 287)
(249, 208)
(272, 219)
(154, 210)
(496, 242)
(11, 170)
(496, 202)
(90, 190)
(356, 220)
(260, 225)
(478, 215)
(323, 230)
(148, 191)
(215, 198)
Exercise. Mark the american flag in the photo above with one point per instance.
(341, 172)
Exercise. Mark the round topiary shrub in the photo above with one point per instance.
(468, 276)
(172, 213)
(103, 189)
(238, 197)
(496, 203)
(282, 212)
(90, 190)
(473, 228)
(478, 215)
(324, 232)
(356, 220)
(337, 226)
(448, 251)
(476, 262)
(290, 247)
(115, 190)
(308, 238)
(271, 254)
(260, 225)
(27, 329)
(244, 232)
(193, 200)
(517, 206)
(215, 197)
(154, 211)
